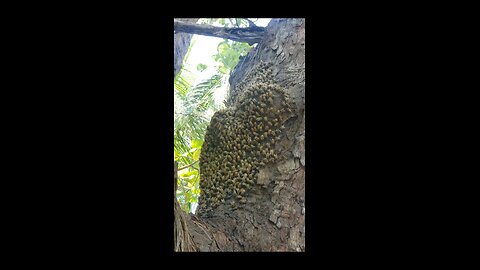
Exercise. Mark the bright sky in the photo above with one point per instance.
(201, 53)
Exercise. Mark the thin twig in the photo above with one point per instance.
(184, 167)
(250, 23)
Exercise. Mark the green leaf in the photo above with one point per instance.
(196, 154)
(223, 70)
(187, 174)
(201, 67)
(197, 143)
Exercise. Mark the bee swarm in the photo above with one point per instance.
(241, 139)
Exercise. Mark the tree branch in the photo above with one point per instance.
(184, 167)
(250, 35)
(250, 23)
(175, 177)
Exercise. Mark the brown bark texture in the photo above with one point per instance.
(180, 47)
(273, 216)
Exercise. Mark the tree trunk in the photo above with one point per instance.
(252, 168)
(180, 47)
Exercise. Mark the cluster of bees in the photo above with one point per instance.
(241, 139)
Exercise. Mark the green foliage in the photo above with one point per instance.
(238, 22)
(190, 123)
(194, 105)
(201, 67)
(228, 54)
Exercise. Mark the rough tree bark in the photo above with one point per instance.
(180, 47)
(273, 217)
(251, 35)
